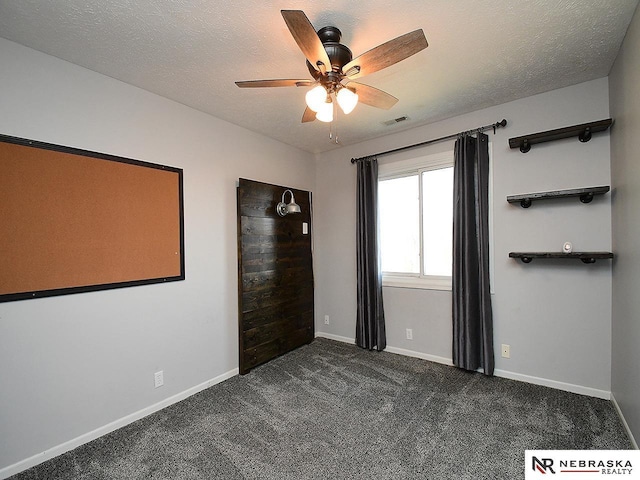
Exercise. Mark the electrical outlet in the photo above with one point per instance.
(326, 319)
(409, 334)
(158, 378)
(506, 351)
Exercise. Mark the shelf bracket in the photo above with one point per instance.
(585, 136)
(588, 260)
(587, 197)
(525, 146)
(525, 202)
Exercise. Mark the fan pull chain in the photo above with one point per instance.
(335, 116)
(333, 136)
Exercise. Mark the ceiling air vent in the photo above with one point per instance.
(388, 123)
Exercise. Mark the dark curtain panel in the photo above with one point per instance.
(370, 329)
(472, 316)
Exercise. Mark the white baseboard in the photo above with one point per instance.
(424, 356)
(399, 351)
(22, 465)
(567, 387)
(624, 422)
(545, 382)
(337, 338)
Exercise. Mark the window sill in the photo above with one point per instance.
(429, 283)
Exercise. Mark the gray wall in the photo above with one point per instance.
(624, 95)
(556, 316)
(72, 364)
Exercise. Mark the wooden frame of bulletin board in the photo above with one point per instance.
(76, 221)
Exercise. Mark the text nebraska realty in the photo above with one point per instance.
(606, 467)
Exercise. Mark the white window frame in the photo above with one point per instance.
(417, 165)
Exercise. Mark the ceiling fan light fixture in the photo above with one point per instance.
(325, 113)
(316, 98)
(347, 99)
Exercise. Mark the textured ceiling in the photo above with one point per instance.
(480, 53)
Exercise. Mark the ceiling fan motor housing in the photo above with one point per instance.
(329, 34)
(338, 53)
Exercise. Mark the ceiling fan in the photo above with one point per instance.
(333, 68)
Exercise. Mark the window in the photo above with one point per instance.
(416, 222)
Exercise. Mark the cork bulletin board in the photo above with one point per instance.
(74, 221)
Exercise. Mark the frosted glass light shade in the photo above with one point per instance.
(325, 113)
(316, 97)
(347, 99)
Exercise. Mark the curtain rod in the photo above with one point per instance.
(502, 123)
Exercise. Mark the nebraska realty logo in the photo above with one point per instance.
(582, 464)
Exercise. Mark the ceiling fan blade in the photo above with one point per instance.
(275, 83)
(308, 115)
(307, 39)
(386, 54)
(372, 96)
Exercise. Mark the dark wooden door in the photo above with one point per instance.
(275, 273)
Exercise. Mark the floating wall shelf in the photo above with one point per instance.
(583, 132)
(585, 195)
(586, 257)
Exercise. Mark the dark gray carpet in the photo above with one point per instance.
(333, 411)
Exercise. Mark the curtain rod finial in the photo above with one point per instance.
(502, 123)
